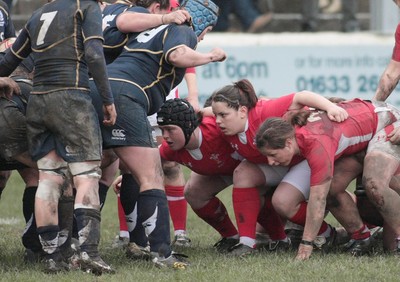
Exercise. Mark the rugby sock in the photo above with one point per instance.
(246, 205)
(361, 234)
(65, 223)
(28, 202)
(216, 215)
(271, 221)
(129, 195)
(103, 189)
(325, 230)
(123, 227)
(30, 238)
(300, 219)
(88, 224)
(153, 214)
(177, 206)
(300, 216)
(48, 236)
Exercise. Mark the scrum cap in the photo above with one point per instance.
(204, 14)
(178, 112)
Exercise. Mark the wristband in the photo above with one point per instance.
(162, 19)
(306, 243)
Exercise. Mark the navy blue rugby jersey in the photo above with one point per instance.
(6, 25)
(114, 40)
(144, 61)
(56, 34)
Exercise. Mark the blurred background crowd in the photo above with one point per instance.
(256, 16)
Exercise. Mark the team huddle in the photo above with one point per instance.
(78, 87)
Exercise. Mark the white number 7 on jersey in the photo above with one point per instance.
(47, 18)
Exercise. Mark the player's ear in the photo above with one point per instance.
(155, 8)
(243, 110)
(288, 142)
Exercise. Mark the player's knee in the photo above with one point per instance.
(51, 184)
(171, 169)
(190, 195)
(86, 169)
(374, 191)
(54, 176)
(49, 190)
(280, 205)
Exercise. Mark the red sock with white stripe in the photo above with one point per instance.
(361, 234)
(177, 206)
(246, 205)
(123, 227)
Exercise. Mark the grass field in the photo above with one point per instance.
(206, 264)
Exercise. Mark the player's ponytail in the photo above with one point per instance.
(240, 93)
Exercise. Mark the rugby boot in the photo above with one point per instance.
(119, 242)
(241, 250)
(279, 246)
(135, 252)
(88, 225)
(174, 261)
(325, 244)
(363, 246)
(54, 263)
(224, 244)
(181, 240)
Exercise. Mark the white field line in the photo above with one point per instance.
(10, 221)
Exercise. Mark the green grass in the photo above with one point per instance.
(206, 264)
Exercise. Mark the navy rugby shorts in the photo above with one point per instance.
(132, 127)
(65, 121)
(13, 140)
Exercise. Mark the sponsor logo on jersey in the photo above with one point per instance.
(215, 158)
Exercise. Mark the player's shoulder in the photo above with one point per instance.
(179, 32)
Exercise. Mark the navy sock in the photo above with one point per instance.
(65, 222)
(103, 189)
(129, 195)
(154, 216)
(28, 202)
(49, 238)
(88, 225)
(30, 237)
